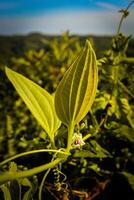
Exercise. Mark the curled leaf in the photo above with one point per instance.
(76, 91)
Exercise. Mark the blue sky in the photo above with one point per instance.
(57, 16)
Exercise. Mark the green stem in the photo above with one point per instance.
(43, 180)
(42, 183)
(123, 16)
(128, 60)
(70, 135)
(8, 176)
(125, 88)
(32, 152)
(97, 128)
(115, 80)
(52, 143)
(87, 136)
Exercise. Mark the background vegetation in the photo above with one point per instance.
(104, 168)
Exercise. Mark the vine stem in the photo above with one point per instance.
(32, 152)
(43, 180)
(8, 176)
(123, 16)
(70, 135)
(42, 183)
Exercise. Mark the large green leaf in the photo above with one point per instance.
(76, 91)
(38, 100)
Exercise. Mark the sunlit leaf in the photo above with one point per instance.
(76, 91)
(38, 100)
(130, 178)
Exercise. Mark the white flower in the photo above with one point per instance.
(77, 140)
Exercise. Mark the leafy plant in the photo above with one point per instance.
(73, 100)
(78, 152)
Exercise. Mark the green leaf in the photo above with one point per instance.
(94, 151)
(28, 194)
(125, 132)
(130, 178)
(15, 189)
(38, 100)
(25, 182)
(76, 91)
(6, 192)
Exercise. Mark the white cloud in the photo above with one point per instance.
(107, 6)
(81, 22)
(7, 5)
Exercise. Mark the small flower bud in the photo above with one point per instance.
(77, 140)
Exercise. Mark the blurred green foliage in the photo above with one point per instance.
(108, 130)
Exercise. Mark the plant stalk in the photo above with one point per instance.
(70, 135)
(42, 183)
(123, 16)
(30, 153)
(9, 176)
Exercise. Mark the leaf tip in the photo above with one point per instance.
(7, 70)
(88, 44)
